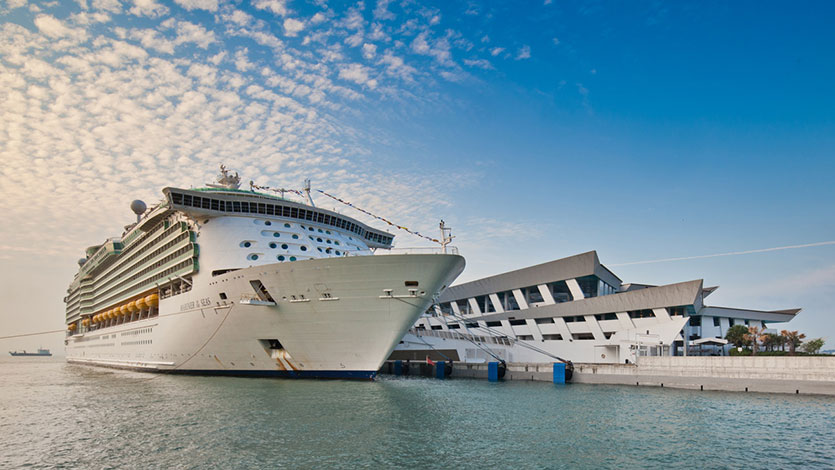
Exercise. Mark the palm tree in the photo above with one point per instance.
(793, 338)
(753, 335)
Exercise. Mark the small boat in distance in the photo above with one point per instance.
(41, 352)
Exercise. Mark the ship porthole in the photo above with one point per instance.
(281, 258)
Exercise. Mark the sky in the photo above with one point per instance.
(645, 130)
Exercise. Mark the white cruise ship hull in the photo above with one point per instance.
(330, 317)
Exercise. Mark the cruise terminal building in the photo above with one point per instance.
(577, 309)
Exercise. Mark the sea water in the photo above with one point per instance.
(55, 415)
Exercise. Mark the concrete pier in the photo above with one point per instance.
(770, 374)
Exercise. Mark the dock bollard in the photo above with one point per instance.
(440, 369)
(493, 371)
(398, 367)
(559, 372)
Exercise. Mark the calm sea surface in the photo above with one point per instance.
(66, 416)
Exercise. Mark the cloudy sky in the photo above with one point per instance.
(644, 130)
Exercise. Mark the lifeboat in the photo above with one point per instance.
(132, 307)
(71, 326)
(140, 304)
(152, 300)
(123, 310)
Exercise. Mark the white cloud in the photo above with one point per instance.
(12, 4)
(242, 62)
(148, 8)
(358, 74)
(556, 41)
(210, 5)
(396, 67)
(318, 18)
(524, 53)
(381, 12)
(194, 33)
(279, 7)
(496, 51)
(369, 51)
(112, 6)
(292, 26)
(54, 28)
(151, 39)
(480, 63)
(420, 45)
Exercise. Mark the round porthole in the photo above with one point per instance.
(319, 240)
(287, 225)
(303, 248)
(329, 242)
(268, 223)
(253, 257)
(311, 229)
(328, 232)
(276, 234)
(295, 237)
(246, 244)
(328, 251)
(321, 231)
(335, 242)
(292, 258)
(281, 257)
(320, 250)
(273, 245)
(284, 246)
(337, 252)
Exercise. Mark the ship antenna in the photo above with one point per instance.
(307, 192)
(446, 235)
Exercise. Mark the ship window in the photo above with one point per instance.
(321, 231)
(281, 257)
(253, 257)
(337, 253)
(327, 251)
(215, 204)
(453, 326)
(311, 229)
(328, 232)
(525, 337)
(552, 337)
(320, 249)
(494, 323)
(517, 322)
(223, 296)
(292, 258)
(336, 243)
(540, 321)
(437, 327)
(268, 222)
(273, 245)
(318, 239)
(284, 246)
(303, 248)
(716, 321)
(329, 242)
(287, 225)
(295, 237)
(276, 234)
(246, 244)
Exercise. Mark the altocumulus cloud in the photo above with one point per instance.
(105, 102)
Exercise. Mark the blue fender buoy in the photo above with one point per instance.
(559, 372)
(440, 369)
(398, 367)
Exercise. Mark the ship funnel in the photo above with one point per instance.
(138, 207)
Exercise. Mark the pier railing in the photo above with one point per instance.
(504, 340)
(450, 250)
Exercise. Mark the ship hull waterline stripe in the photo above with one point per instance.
(289, 374)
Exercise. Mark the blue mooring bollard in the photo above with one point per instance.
(398, 367)
(559, 372)
(440, 369)
(493, 371)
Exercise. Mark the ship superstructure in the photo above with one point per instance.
(225, 280)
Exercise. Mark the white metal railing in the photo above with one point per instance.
(504, 340)
(430, 250)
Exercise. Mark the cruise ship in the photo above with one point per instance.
(221, 280)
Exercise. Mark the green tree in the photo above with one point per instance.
(813, 346)
(736, 335)
(793, 338)
(772, 341)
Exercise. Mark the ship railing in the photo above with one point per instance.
(429, 250)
